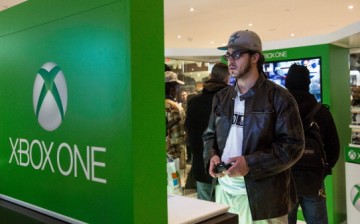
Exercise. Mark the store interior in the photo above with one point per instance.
(188, 52)
(194, 73)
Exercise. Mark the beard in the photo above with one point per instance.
(239, 73)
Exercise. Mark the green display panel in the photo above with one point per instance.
(335, 90)
(352, 155)
(81, 115)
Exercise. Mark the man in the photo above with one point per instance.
(255, 127)
(311, 193)
(197, 117)
(167, 68)
(184, 100)
(175, 117)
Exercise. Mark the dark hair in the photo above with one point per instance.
(169, 86)
(260, 62)
(219, 72)
(167, 68)
(297, 78)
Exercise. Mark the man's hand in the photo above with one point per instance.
(239, 167)
(214, 161)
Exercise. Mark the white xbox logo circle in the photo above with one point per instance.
(352, 154)
(355, 196)
(50, 96)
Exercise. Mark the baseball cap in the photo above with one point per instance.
(244, 40)
(172, 77)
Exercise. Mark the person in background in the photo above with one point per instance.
(184, 101)
(183, 97)
(197, 118)
(167, 68)
(175, 117)
(313, 204)
(255, 128)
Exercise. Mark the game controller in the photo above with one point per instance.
(219, 168)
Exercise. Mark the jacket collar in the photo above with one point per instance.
(259, 82)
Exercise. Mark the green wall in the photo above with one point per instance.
(335, 93)
(340, 95)
(107, 155)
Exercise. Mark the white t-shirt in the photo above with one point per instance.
(233, 148)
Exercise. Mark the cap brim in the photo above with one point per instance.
(180, 82)
(223, 48)
(235, 47)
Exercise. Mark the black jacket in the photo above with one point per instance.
(306, 103)
(197, 118)
(273, 141)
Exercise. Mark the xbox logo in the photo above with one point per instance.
(355, 196)
(352, 154)
(50, 96)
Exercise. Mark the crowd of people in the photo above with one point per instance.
(248, 141)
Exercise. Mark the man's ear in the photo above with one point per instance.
(255, 57)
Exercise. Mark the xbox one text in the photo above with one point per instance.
(37, 154)
(277, 54)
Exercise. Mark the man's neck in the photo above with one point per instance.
(246, 83)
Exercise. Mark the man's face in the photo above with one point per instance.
(174, 90)
(183, 95)
(239, 62)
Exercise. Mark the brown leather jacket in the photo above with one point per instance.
(273, 141)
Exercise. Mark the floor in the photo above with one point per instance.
(183, 174)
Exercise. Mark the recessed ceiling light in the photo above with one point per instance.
(179, 36)
(250, 24)
(211, 42)
(192, 9)
(223, 44)
(292, 34)
(350, 7)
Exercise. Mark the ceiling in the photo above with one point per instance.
(5, 4)
(279, 23)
